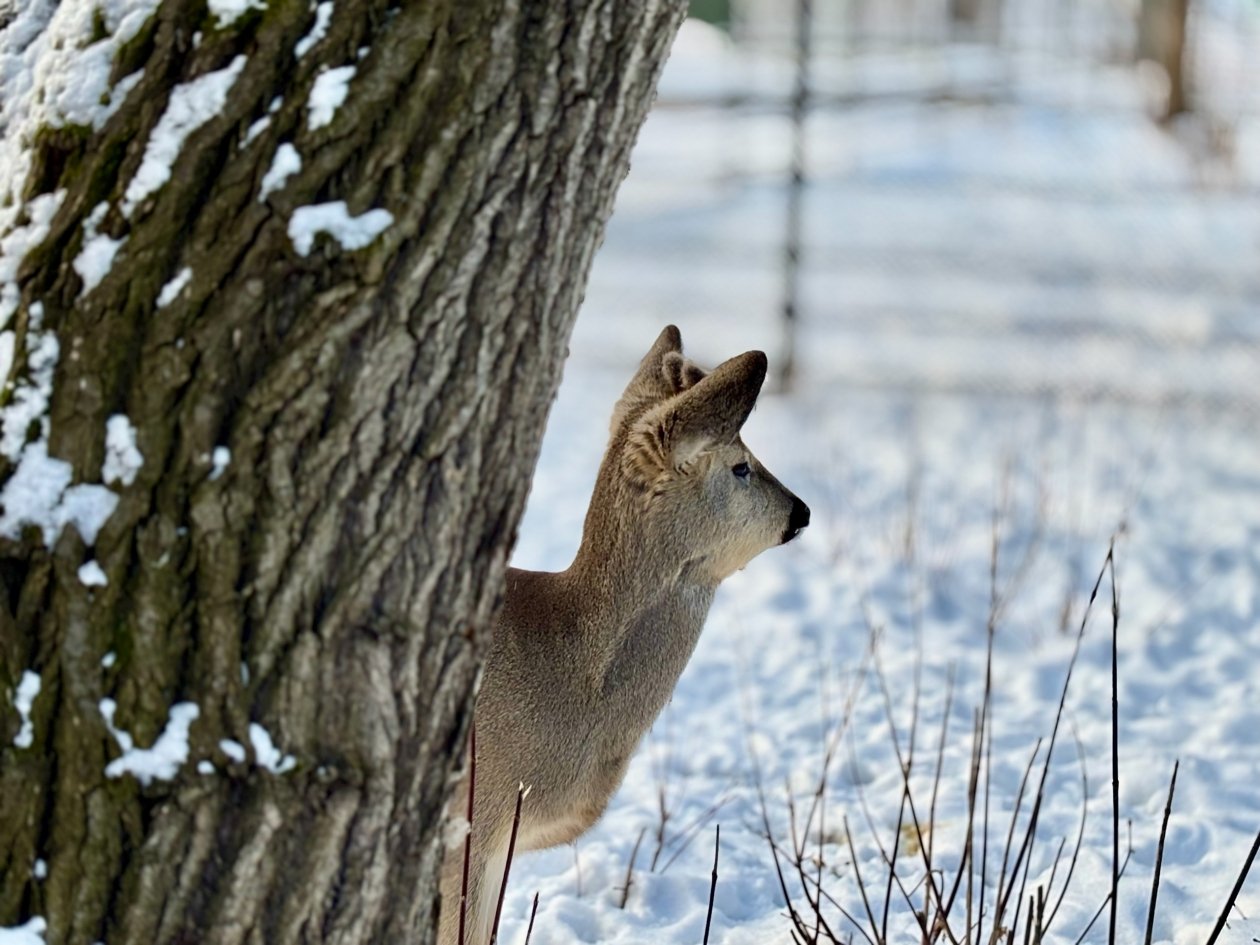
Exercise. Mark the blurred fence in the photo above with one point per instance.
(987, 199)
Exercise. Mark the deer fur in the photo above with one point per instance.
(583, 660)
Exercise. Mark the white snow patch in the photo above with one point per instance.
(96, 257)
(323, 15)
(219, 460)
(7, 341)
(257, 128)
(122, 458)
(109, 659)
(191, 105)
(334, 219)
(266, 754)
(233, 749)
(55, 69)
(23, 699)
(86, 506)
(163, 760)
(29, 403)
(39, 493)
(32, 933)
(284, 165)
(227, 12)
(327, 95)
(170, 291)
(205, 767)
(17, 241)
(40, 870)
(92, 574)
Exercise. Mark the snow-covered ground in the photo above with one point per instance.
(1022, 321)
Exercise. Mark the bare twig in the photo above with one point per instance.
(857, 872)
(472, 788)
(1159, 853)
(521, 792)
(717, 844)
(1107, 899)
(1080, 834)
(529, 930)
(1233, 895)
(625, 889)
(1115, 750)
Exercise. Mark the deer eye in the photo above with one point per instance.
(741, 470)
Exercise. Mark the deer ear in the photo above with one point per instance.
(650, 382)
(680, 373)
(712, 412)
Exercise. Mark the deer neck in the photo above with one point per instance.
(643, 604)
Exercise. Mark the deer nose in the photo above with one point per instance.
(797, 520)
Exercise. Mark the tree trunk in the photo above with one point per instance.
(338, 412)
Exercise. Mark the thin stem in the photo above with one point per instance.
(1238, 885)
(717, 845)
(472, 789)
(1159, 853)
(532, 913)
(521, 791)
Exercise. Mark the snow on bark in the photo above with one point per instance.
(164, 758)
(266, 754)
(97, 255)
(227, 12)
(30, 932)
(27, 689)
(170, 292)
(323, 15)
(334, 219)
(327, 95)
(55, 69)
(284, 165)
(122, 457)
(191, 105)
(92, 575)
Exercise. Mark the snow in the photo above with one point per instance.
(168, 753)
(17, 241)
(233, 749)
(40, 870)
(953, 253)
(205, 767)
(266, 754)
(30, 398)
(227, 12)
(190, 106)
(328, 93)
(39, 493)
(170, 292)
(7, 342)
(122, 458)
(92, 575)
(219, 461)
(30, 932)
(96, 257)
(334, 219)
(109, 659)
(23, 700)
(284, 165)
(256, 128)
(323, 16)
(55, 71)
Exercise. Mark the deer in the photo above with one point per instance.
(582, 661)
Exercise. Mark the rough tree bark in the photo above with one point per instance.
(382, 408)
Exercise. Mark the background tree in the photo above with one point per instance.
(285, 292)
